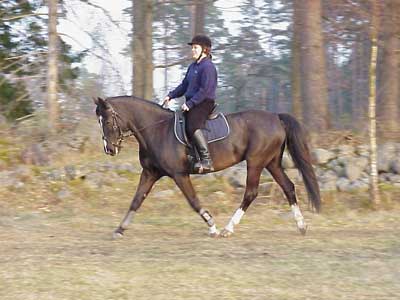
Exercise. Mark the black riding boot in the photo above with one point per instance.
(205, 165)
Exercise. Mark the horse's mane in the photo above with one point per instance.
(127, 97)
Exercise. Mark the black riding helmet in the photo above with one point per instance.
(202, 40)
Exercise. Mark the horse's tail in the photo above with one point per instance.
(300, 153)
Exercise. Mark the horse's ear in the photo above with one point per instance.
(101, 102)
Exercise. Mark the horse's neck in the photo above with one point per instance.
(140, 112)
(147, 114)
(142, 117)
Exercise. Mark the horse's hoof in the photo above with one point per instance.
(117, 235)
(226, 233)
(213, 234)
(303, 230)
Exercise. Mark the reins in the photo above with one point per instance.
(121, 133)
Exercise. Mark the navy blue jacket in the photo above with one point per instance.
(200, 83)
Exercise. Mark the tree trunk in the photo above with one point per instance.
(297, 107)
(52, 73)
(198, 15)
(374, 190)
(142, 54)
(389, 82)
(315, 93)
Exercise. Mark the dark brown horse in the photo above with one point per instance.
(258, 137)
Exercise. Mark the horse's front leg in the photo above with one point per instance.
(185, 185)
(147, 180)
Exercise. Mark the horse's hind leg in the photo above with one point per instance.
(147, 180)
(252, 182)
(288, 188)
(185, 185)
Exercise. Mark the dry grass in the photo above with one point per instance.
(62, 249)
(65, 251)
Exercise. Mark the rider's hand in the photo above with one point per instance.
(184, 107)
(166, 101)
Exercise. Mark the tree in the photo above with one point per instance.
(198, 16)
(374, 190)
(388, 113)
(315, 96)
(142, 53)
(297, 107)
(23, 59)
(17, 59)
(52, 75)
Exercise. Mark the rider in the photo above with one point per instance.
(198, 86)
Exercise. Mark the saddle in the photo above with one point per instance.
(216, 129)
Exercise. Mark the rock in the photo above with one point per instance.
(35, 155)
(386, 154)
(345, 150)
(384, 177)
(287, 162)
(70, 172)
(354, 167)
(127, 167)
(265, 188)
(384, 163)
(343, 184)
(63, 194)
(3, 120)
(94, 180)
(358, 186)
(23, 173)
(362, 150)
(7, 179)
(322, 156)
(238, 179)
(328, 180)
(389, 149)
(328, 186)
(294, 175)
(395, 166)
(393, 178)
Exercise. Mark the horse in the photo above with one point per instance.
(256, 136)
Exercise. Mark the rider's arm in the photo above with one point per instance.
(180, 90)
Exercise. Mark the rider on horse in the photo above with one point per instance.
(198, 87)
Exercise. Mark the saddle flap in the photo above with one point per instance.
(216, 129)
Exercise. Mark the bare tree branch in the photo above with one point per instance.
(6, 19)
(105, 12)
(179, 62)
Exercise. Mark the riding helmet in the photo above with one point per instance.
(201, 40)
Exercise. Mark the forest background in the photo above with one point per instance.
(309, 58)
(332, 64)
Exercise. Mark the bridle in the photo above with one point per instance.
(117, 127)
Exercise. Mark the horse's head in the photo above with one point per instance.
(111, 131)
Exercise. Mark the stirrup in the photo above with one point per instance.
(202, 167)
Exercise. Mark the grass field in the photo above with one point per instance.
(65, 251)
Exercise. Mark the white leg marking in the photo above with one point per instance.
(127, 220)
(301, 224)
(213, 230)
(235, 220)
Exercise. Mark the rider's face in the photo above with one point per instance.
(196, 51)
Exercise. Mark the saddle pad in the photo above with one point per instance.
(215, 130)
